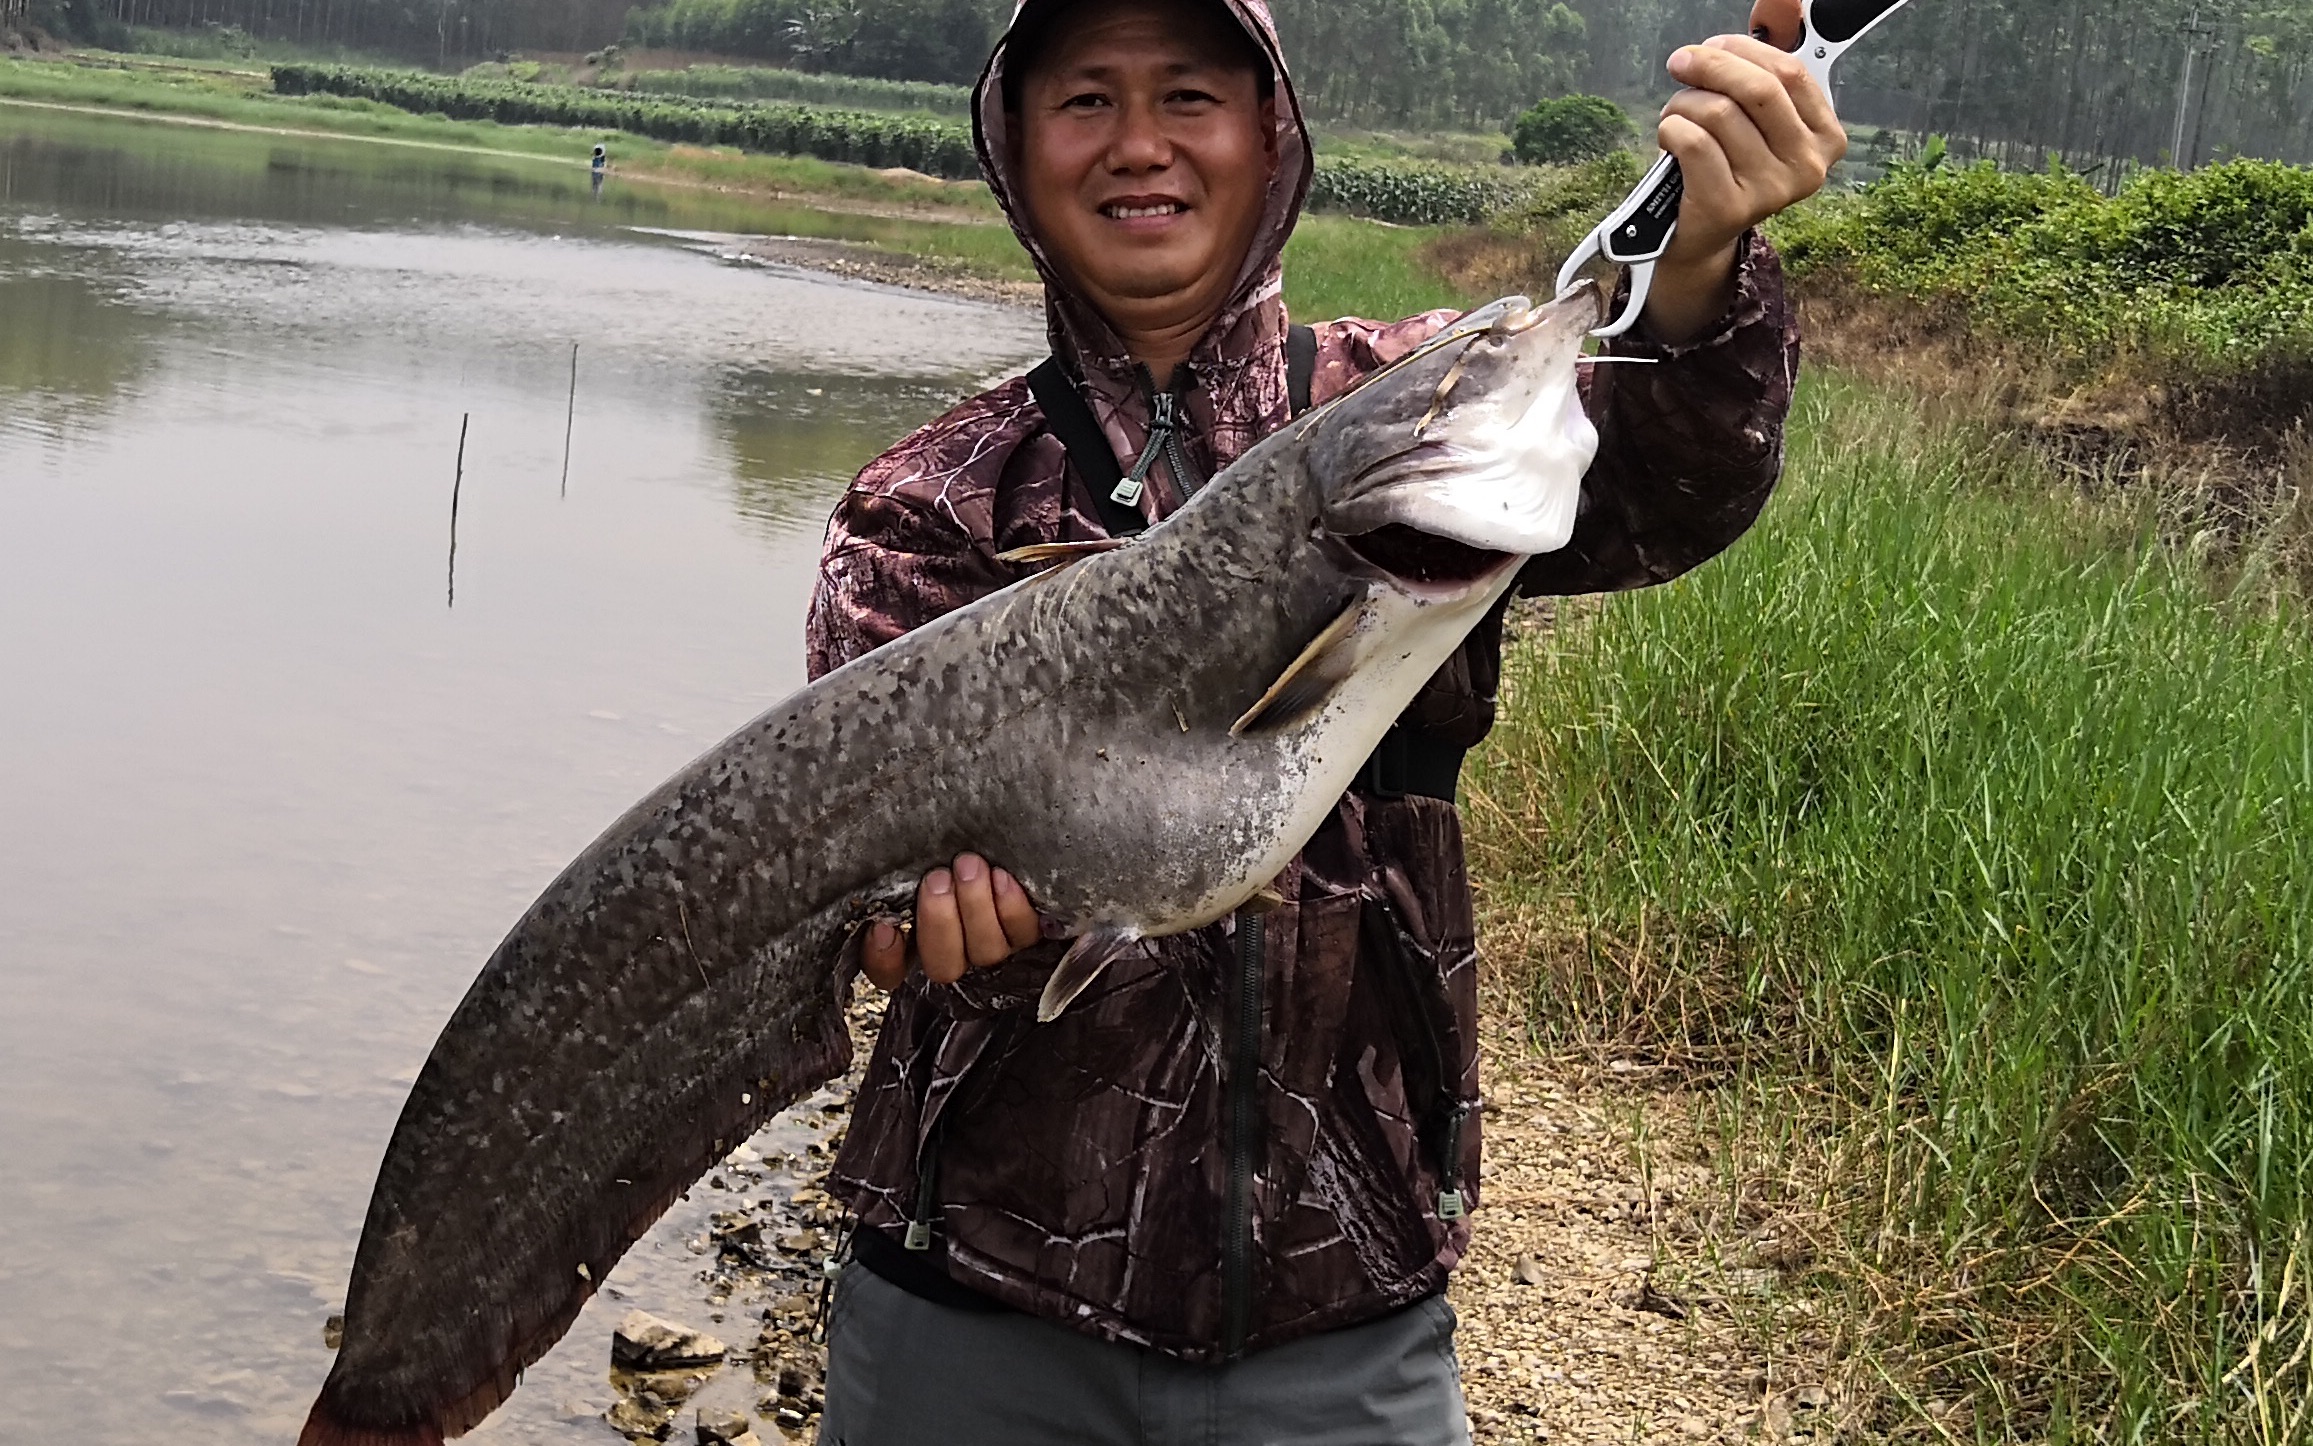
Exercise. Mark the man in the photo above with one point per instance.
(1047, 1247)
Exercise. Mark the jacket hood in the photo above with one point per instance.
(1245, 339)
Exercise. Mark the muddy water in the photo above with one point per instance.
(266, 798)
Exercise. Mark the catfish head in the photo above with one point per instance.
(1467, 456)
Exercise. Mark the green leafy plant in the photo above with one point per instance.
(1414, 193)
(1568, 129)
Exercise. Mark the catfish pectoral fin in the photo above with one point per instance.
(1085, 959)
(1309, 680)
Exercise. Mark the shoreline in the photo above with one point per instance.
(861, 261)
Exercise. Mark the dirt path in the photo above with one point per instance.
(1614, 1289)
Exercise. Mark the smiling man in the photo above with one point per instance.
(1161, 1218)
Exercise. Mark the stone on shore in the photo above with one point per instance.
(727, 1428)
(643, 1342)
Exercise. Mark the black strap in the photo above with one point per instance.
(923, 1275)
(1411, 764)
(1073, 423)
(1300, 366)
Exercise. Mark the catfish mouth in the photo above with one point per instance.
(1425, 563)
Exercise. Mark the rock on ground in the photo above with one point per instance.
(644, 1342)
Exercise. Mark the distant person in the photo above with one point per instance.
(601, 166)
(1046, 1249)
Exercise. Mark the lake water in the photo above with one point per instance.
(268, 798)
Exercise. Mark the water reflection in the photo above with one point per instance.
(72, 348)
(793, 437)
(269, 803)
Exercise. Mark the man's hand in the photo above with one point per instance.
(967, 917)
(1754, 134)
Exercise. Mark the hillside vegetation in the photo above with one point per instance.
(2204, 272)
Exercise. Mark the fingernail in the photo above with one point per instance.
(969, 867)
(939, 881)
(883, 938)
(1003, 881)
(1682, 60)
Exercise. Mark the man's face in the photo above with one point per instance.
(1146, 150)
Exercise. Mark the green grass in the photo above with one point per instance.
(1458, 148)
(759, 82)
(1337, 266)
(1968, 809)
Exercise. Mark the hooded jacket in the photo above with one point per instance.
(1082, 1170)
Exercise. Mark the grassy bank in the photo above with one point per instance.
(1966, 818)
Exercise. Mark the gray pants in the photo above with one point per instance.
(903, 1371)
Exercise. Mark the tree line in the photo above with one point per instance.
(2097, 83)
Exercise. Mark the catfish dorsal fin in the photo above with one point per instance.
(1083, 963)
(1036, 554)
(1309, 680)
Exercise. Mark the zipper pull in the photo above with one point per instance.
(831, 1270)
(1451, 1205)
(1160, 431)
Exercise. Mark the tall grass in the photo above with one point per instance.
(1974, 813)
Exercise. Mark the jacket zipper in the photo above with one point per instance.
(1243, 1099)
(1166, 424)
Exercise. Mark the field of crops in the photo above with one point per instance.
(867, 138)
(1409, 193)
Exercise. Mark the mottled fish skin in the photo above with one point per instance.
(683, 979)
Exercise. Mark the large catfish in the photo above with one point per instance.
(1145, 736)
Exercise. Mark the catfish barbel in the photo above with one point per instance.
(1144, 736)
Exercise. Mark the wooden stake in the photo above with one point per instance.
(569, 418)
(457, 485)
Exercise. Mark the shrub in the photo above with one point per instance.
(1569, 129)
(1416, 194)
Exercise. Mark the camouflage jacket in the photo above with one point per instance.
(1079, 1170)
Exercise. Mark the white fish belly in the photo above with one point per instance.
(1401, 643)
